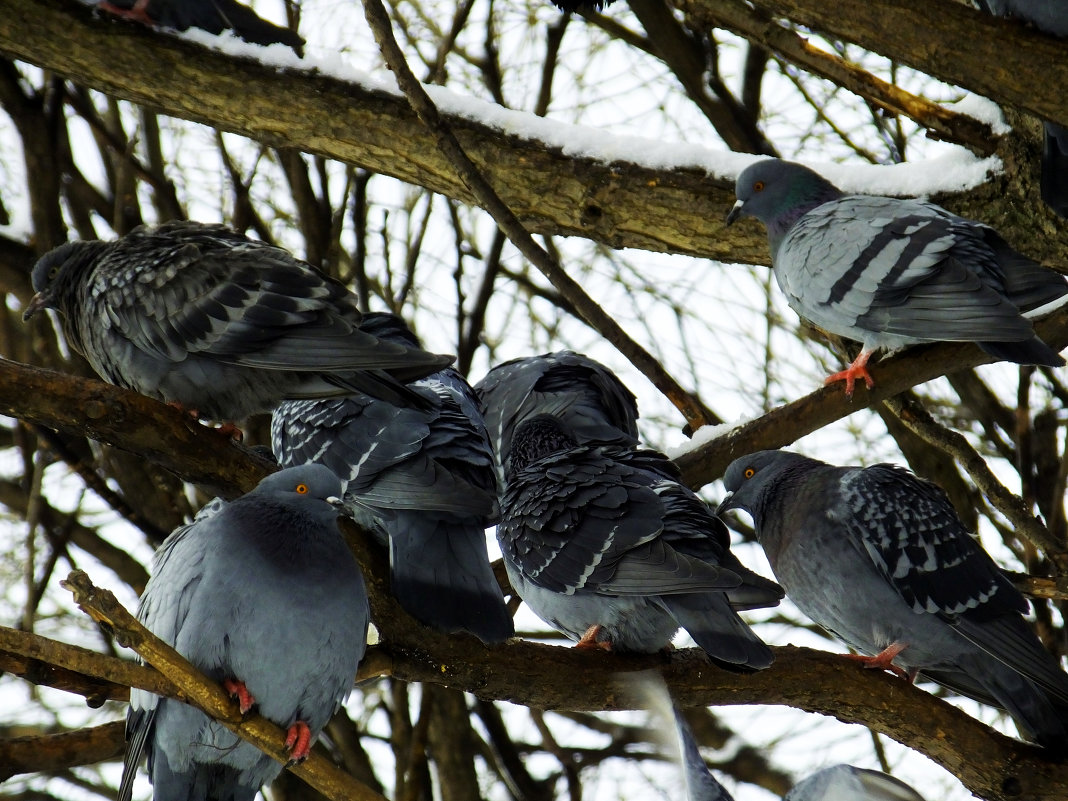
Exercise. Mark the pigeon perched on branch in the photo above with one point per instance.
(205, 318)
(213, 16)
(262, 595)
(425, 477)
(584, 394)
(605, 545)
(889, 273)
(879, 558)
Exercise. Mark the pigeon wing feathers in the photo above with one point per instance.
(595, 526)
(897, 267)
(914, 537)
(241, 302)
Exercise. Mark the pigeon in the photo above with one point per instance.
(878, 557)
(262, 595)
(586, 395)
(849, 783)
(424, 477)
(889, 272)
(837, 783)
(213, 16)
(607, 546)
(204, 318)
(1049, 16)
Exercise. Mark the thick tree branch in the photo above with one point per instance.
(991, 765)
(1001, 59)
(619, 204)
(208, 695)
(53, 752)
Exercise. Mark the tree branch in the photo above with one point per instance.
(991, 765)
(756, 26)
(788, 423)
(620, 204)
(53, 752)
(692, 409)
(1000, 59)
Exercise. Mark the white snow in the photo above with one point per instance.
(958, 170)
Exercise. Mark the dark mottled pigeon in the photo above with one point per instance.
(605, 545)
(888, 272)
(205, 318)
(879, 558)
(588, 397)
(1049, 16)
(262, 595)
(213, 16)
(424, 476)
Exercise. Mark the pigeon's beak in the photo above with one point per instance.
(335, 501)
(735, 212)
(38, 302)
(726, 503)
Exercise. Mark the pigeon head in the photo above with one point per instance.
(57, 271)
(778, 192)
(535, 439)
(748, 480)
(309, 486)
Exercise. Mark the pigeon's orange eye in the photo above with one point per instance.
(758, 186)
(749, 472)
(302, 489)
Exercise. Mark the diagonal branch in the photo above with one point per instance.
(209, 696)
(693, 410)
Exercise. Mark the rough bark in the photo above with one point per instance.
(618, 204)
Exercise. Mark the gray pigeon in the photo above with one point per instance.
(213, 16)
(847, 783)
(605, 545)
(423, 476)
(202, 317)
(1049, 16)
(889, 273)
(879, 558)
(262, 595)
(837, 783)
(588, 397)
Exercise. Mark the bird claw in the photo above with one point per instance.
(239, 692)
(139, 12)
(884, 660)
(858, 369)
(589, 641)
(298, 742)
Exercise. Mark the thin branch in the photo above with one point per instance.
(53, 752)
(692, 409)
(758, 27)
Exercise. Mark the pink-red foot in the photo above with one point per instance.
(239, 692)
(298, 742)
(589, 639)
(884, 660)
(138, 13)
(858, 369)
